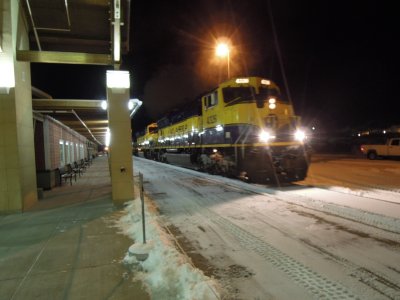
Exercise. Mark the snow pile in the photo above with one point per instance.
(166, 272)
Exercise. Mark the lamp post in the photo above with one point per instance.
(222, 50)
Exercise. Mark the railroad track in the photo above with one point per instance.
(390, 224)
(315, 283)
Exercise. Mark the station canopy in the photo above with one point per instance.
(94, 32)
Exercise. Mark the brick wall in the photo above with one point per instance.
(59, 132)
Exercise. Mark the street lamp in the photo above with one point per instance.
(222, 50)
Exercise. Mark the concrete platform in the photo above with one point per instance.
(65, 247)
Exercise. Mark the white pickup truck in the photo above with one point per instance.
(391, 148)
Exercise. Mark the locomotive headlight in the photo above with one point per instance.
(272, 103)
(300, 135)
(264, 136)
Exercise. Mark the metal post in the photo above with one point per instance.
(142, 199)
(229, 61)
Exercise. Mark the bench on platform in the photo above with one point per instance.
(66, 173)
(78, 168)
(85, 162)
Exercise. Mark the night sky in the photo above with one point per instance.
(340, 58)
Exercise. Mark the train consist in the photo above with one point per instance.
(243, 128)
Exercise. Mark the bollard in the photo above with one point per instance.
(142, 199)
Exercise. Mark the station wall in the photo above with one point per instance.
(55, 146)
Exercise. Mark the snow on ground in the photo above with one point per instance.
(167, 273)
(334, 236)
(331, 171)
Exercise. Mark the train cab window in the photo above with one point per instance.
(211, 100)
(214, 99)
(153, 129)
(207, 101)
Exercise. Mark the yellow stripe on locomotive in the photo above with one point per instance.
(183, 133)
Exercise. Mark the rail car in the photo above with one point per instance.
(243, 128)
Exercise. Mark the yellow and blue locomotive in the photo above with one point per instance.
(242, 128)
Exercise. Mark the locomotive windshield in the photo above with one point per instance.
(238, 94)
(247, 94)
(264, 93)
(153, 129)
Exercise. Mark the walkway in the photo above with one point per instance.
(66, 247)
